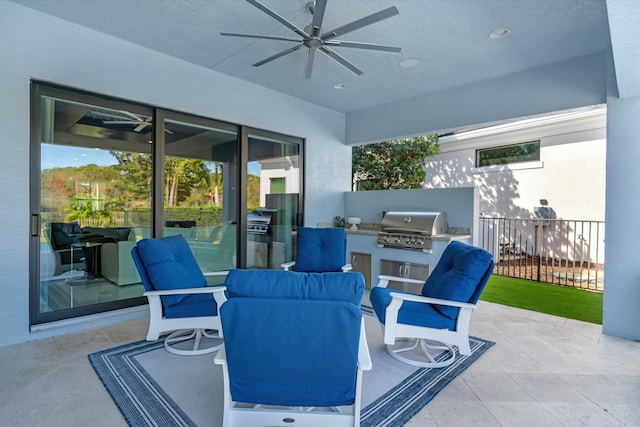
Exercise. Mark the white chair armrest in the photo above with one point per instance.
(429, 300)
(288, 265)
(221, 356)
(384, 280)
(364, 358)
(204, 290)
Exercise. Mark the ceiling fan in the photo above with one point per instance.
(314, 39)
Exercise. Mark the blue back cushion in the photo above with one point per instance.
(170, 264)
(460, 275)
(291, 352)
(294, 285)
(320, 249)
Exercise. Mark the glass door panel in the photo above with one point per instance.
(200, 174)
(274, 183)
(94, 203)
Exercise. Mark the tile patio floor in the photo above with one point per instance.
(543, 371)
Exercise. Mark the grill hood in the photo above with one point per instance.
(424, 223)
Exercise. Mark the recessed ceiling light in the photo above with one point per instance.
(409, 63)
(339, 86)
(499, 33)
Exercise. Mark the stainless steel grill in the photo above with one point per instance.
(259, 221)
(411, 230)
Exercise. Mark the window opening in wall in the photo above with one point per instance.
(515, 153)
(277, 185)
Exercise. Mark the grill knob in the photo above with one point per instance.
(386, 239)
(420, 242)
(397, 239)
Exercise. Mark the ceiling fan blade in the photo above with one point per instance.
(258, 36)
(278, 55)
(135, 117)
(318, 17)
(368, 46)
(362, 22)
(141, 126)
(308, 66)
(278, 18)
(333, 55)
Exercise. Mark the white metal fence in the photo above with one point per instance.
(563, 252)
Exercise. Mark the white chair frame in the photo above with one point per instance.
(426, 338)
(186, 328)
(235, 415)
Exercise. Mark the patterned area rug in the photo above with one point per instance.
(152, 387)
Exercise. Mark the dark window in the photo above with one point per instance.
(516, 153)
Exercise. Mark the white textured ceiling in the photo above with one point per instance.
(448, 37)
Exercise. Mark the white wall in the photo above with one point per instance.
(570, 173)
(37, 46)
(458, 203)
(621, 314)
(556, 87)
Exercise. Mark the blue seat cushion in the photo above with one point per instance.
(170, 264)
(410, 313)
(291, 352)
(194, 305)
(320, 249)
(294, 285)
(461, 271)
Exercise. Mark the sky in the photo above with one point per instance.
(58, 156)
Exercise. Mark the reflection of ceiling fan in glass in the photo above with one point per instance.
(132, 119)
(314, 39)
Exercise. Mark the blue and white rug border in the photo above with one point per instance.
(143, 402)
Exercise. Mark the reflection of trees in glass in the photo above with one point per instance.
(515, 153)
(182, 177)
(84, 210)
(393, 164)
(97, 192)
(133, 188)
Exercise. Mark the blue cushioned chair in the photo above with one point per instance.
(179, 298)
(320, 250)
(294, 348)
(440, 316)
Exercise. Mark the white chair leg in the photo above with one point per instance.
(430, 358)
(196, 335)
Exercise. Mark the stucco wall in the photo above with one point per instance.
(570, 175)
(36, 46)
(621, 315)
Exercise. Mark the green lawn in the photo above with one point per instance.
(544, 298)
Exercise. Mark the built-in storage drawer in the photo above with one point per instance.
(361, 262)
(407, 270)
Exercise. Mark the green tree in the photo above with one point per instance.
(397, 164)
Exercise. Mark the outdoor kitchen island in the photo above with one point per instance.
(404, 232)
(365, 255)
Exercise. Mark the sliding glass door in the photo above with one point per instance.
(274, 187)
(107, 173)
(200, 182)
(94, 175)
